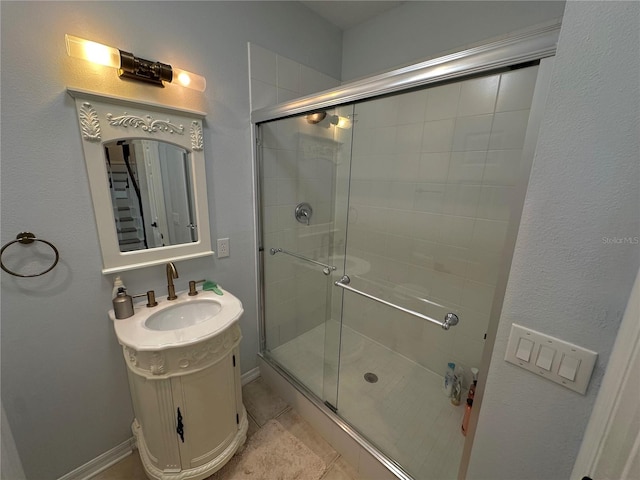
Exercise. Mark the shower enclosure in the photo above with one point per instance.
(384, 218)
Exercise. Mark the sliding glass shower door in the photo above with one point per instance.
(304, 181)
(382, 221)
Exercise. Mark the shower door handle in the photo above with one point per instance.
(450, 319)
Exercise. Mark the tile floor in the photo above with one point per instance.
(262, 405)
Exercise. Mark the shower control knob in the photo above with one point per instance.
(303, 213)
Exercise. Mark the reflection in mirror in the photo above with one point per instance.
(151, 193)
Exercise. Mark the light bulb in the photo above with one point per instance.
(189, 79)
(92, 51)
(341, 122)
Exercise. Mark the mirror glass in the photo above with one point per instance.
(146, 168)
(151, 193)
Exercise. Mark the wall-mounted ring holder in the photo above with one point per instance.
(26, 238)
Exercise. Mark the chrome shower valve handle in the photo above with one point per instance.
(303, 213)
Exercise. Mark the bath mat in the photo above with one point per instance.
(272, 453)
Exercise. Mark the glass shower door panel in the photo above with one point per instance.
(432, 175)
(298, 182)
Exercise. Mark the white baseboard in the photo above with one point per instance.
(250, 376)
(102, 462)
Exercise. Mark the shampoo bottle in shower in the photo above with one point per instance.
(470, 395)
(467, 415)
(448, 379)
(472, 388)
(456, 387)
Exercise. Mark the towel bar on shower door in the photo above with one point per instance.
(326, 270)
(450, 319)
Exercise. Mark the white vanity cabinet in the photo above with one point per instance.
(194, 389)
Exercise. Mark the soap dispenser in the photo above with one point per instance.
(123, 304)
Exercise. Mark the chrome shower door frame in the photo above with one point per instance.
(534, 45)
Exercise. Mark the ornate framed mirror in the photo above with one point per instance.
(146, 171)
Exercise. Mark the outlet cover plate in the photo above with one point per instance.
(223, 247)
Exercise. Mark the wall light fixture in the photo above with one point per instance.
(130, 66)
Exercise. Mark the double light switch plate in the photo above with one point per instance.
(559, 361)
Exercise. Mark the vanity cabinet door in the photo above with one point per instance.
(153, 407)
(207, 404)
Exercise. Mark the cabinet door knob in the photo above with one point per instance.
(180, 428)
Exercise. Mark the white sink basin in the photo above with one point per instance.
(175, 323)
(183, 315)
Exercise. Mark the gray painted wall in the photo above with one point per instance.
(63, 380)
(419, 30)
(570, 278)
(64, 384)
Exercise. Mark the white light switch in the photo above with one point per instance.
(524, 349)
(545, 357)
(559, 361)
(568, 367)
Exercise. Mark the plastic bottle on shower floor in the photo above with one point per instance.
(448, 379)
(470, 395)
(456, 386)
(467, 415)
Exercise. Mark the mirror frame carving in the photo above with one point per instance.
(104, 118)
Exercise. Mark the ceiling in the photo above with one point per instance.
(349, 14)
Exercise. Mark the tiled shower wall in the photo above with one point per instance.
(276, 79)
(432, 176)
(298, 165)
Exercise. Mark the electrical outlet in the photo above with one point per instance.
(223, 247)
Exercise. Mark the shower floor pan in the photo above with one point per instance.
(405, 413)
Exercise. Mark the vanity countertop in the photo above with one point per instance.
(134, 332)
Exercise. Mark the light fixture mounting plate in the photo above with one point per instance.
(136, 68)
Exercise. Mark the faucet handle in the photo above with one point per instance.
(151, 299)
(192, 287)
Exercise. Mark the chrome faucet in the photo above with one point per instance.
(171, 274)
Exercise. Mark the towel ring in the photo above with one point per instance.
(26, 238)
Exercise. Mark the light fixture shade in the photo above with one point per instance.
(316, 118)
(92, 51)
(189, 79)
(131, 67)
